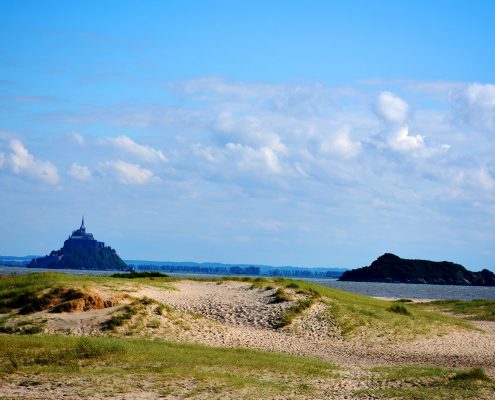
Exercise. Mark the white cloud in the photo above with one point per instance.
(2, 159)
(485, 179)
(391, 107)
(127, 173)
(340, 144)
(77, 138)
(129, 146)
(475, 105)
(248, 130)
(250, 159)
(23, 163)
(402, 141)
(79, 172)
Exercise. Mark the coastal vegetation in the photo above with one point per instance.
(351, 315)
(89, 366)
(115, 365)
(354, 315)
(478, 309)
(140, 274)
(430, 383)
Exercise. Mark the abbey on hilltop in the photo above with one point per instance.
(80, 238)
(81, 251)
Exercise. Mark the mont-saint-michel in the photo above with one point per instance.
(81, 251)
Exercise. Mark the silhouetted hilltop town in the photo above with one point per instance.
(81, 251)
(391, 268)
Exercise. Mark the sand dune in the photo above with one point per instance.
(230, 314)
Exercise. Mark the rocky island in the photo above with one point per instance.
(393, 269)
(81, 251)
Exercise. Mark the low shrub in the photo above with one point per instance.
(140, 274)
(120, 319)
(399, 309)
(474, 374)
(280, 296)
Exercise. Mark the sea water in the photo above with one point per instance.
(376, 289)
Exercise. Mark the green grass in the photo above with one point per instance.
(399, 309)
(367, 317)
(280, 296)
(31, 292)
(480, 309)
(245, 372)
(351, 314)
(294, 311)
(430, 383)
(358, 315)
(474, 374)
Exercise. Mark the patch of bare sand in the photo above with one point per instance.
(230, 314)
(148, 386)
(229, 302)
(77, 323)
(247, 321)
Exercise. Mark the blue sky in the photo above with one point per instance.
(303, 133)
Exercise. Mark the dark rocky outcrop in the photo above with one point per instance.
(391, 268)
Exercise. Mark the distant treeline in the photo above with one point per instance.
(240, 270)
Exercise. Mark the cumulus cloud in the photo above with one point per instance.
(79, 172)
(77, 138)
(340, 144)
(141, 152)
(391, 108)
(475, 106)
(247, 130)
(235, 158)
(402, 141)
(127, 173)
(249, 159)
(485, 179)
(21, 162)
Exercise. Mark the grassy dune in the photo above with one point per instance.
(369, 318)
(85, 367)
(81, 367)
(18, 290)
(117, 365)
(352, 315)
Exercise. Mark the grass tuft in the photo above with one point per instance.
(280, 296)
(474, 374)
(479, 309)
(295, 310)
(120, 319)
(399, 309)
